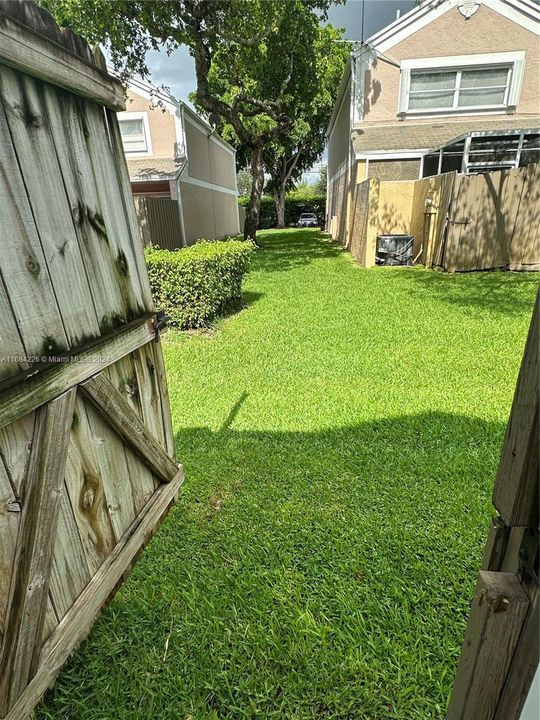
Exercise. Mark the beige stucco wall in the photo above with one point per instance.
(485, 32)
(222, 166)
(394, 169)
(161, 124)
(208, 214)
(197, 152)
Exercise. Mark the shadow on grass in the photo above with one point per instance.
(281, 250)
(500, 292)
(248, 299)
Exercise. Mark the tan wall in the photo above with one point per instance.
(485, 32)
(222, 166)
(208, 214)
(198, 152)
(198, 213)
(394, 169)
(161, 124)
(339, 140)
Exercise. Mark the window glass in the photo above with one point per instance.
(434, 90)
(133, 136)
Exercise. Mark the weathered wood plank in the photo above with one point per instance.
(123, 377)
(77, 623)
(126, 194)
(68, 127)
(23, 48)
(13, 357)
(496, 545)
(39, 387)
(28, 123)
(170, 444)
(15, 446)
(523, 666)
(86, 492)
(498, 612)
(24, 269)
(516, 487)
(9, 527)
(106, 398)
(27, 603)
(69, 572)
(123, 246)
(110, 454)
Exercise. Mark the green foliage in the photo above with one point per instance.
(195, 284)
(244, 182)
(296, 202)
(320, 185)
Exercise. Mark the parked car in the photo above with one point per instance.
(307, 220)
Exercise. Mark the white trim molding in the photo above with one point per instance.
(209, 186)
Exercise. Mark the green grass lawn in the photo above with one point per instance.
(340, 437)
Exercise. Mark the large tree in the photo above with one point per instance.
(251, 58)
(290, 154)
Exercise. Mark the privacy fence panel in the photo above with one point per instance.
(494, 221)
(87, 466)
(159, 221)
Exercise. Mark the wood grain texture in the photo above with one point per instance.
(516, 487)
(23, 48)
(39, 387)
(497, 616)
(86, 492)
(112, 406)
(523, 666)
(9, 527)
(27, 603)
(77, 623)
(28, 123)
(24, 269)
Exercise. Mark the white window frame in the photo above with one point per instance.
(127, 115)
(514, 61)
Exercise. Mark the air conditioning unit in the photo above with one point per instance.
(394, 250)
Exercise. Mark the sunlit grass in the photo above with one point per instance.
(340, 436)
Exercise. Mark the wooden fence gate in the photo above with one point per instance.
(492, 221)
(87, 466)
(501, 648)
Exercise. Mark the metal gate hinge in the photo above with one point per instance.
(160, 323)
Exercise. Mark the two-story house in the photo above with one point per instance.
(173, 153)
(450, 85)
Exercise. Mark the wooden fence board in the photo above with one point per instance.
(121, 243)
(9, 527)
(44, 184)
(497, 616)
(111, 405)
(516, 487)
(68, 131)
(86, 492)
(24, 269)
(23, 48)
(29, 589)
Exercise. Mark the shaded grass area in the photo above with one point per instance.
(340, 436)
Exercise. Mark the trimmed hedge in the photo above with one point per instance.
(193, 285)
(294, 207)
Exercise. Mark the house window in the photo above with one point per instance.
(475, 87)
(135, 132)
(461, 84)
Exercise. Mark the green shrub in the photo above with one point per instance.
(193, 285)
(296, 203)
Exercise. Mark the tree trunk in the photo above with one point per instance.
(254, 207)
(279, 197)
